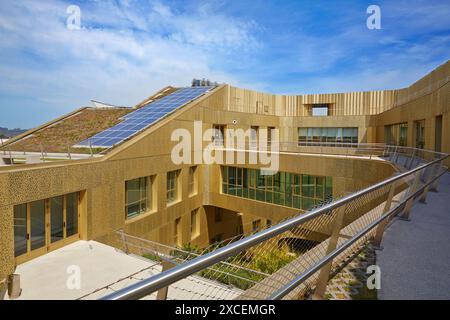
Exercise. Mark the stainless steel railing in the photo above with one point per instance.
(422, 170)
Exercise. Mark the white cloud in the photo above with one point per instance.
(120, 55)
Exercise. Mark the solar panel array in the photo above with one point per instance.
(142, 118)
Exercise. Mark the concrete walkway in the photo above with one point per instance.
(415, 261)
(102, 270)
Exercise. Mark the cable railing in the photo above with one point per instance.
(318, 241)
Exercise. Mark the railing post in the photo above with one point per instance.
(124, 242)
(382, 226)
(162, 293)
(42, 154)
(409, 203)
(431, 172)
(396, 154)
(434, 186)
(324, 275)
(412, 160)
(90, 148)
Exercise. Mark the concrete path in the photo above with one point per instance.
(415, 261)
(102, 270)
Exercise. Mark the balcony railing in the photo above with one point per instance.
(345, 226)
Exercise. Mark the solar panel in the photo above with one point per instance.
(142, 118)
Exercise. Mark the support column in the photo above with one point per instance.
(162, 293)
(434, 186)
(324, 275)
(431, 173)
(381, 227)
(409, 203)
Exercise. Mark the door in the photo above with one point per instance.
(37, 224)
(57, 222)
(20, 230)
(419, 131)
(43, 225)
(63, 219)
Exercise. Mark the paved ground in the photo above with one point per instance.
(350, 282)
(103, 270)
(415, 261)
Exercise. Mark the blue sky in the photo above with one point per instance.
(126, 50)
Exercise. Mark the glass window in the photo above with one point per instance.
(72, 214)
(314, 136)
(20, 229)
(318, 110)
(172, 186)
(282, 188)
(256, 225)
(136, 196)
(37, 221)
(396, 134)
(307, 186)
(57, 218)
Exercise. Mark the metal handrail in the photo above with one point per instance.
(323, 261)
(164, 279)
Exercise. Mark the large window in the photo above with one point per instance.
(320, 110)
(20, 229)
(419, 133)
(172, 186)
(332, 136)
(137, 196)
(40, 224)
(396, 134)
(283, 188)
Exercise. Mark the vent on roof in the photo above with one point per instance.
(98, 104)
(203, 83)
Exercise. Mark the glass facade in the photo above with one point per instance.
(136, 196)
(20, 229)
(44, 222)
(72, 214)
(57, 218)
(316, 136)
(396, 134)
(293, 190)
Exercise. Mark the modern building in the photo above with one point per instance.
(97, 170)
